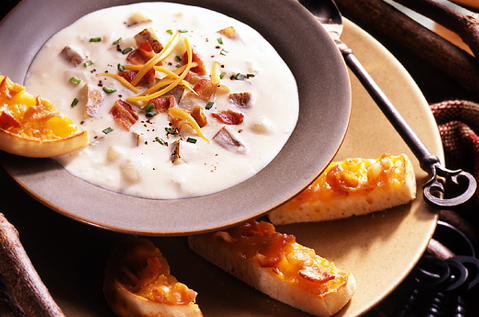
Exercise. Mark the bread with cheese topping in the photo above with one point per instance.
(351, 187)
(138, 283)
(278, 266)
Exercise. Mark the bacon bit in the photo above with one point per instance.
(123, 113)
(128, 75)
(229, 117)
(265, 228)
(9, 89)
(8, 121)
(39, 112)
(199, 116)
(270, 253)
(204, 89)
(142, 54)
(150, 273)
(200, 69)
(147, 80)
(149, 35)
(162, 103)
(312, 275)
(241, 99)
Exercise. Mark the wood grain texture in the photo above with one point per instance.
(421, 41)
(20, 276)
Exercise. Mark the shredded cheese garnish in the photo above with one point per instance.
(177, 71)
(215, 74)
(172, 84)
(178, 113)
(164, 82)
(168, 73)
(157, 58)
(122, 80)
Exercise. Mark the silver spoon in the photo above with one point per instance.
(328, 14)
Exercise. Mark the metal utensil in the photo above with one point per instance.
(328, 14)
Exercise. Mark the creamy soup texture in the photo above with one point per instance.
(158, 152)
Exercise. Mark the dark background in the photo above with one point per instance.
(436, 87)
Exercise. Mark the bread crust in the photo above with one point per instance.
(125, 303)
(262, 280)
(340, 207)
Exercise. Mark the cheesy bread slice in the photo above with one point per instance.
(275, 264)
(351, 187)
(138, 283)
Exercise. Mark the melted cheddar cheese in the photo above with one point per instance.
(355, 176)
(141, 269)
(29, 116)
(282, 256)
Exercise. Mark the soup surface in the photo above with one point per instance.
(223, 115)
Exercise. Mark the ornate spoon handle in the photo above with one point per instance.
(434, 189)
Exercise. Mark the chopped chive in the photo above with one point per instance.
(222, 75)
(220, 40)
(109, 90)
(150, 114)
(95, 39)
(209, 105)
(250, 75)
(120, 67)
(107, 130)
(240, 76)
(223, 52)
(87, 63)
(159, 140)
(170, 131)
(74, 102)
(127, 50)
(178, 58)
(150, 107)
(170, 31)
(75, 80)
(117, 41)
(178, 66)
(183, 30)
(191, 140)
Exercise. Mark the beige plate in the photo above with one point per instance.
(379, 249)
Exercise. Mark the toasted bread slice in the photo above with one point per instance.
(138, 283)
(278, 266)
(351, 187)
(31, 126)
